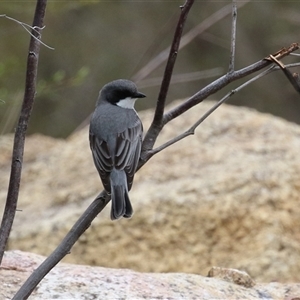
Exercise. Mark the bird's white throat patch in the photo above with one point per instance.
(127, 102)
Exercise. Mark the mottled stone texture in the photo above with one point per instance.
(68, 281)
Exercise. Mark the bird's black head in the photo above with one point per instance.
(120, 89)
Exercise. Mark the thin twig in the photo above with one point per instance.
(27, 27)
(293, 78)
(233, 37)
(180, 78)
(19, 140)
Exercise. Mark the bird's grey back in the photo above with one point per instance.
(111, 119)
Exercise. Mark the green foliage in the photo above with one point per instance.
(50, 87)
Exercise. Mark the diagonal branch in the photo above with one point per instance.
(19, 140)
(192, 129)
(156, 125)
(171, 62)
(64, 247)
(224, 81)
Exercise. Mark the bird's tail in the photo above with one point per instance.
(121, 206)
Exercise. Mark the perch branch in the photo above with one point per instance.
(64, 247)
(19, 139)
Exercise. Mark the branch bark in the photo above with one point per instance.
(65, 246)
(19, 139)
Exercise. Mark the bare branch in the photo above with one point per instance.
(160, 106)
(19, 140)
(192, 129)
(224, 81)
(65, 246)
(233, 37)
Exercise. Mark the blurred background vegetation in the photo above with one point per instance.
(99, 41)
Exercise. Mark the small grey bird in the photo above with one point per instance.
(115, 140)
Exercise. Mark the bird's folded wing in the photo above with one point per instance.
(121, 152)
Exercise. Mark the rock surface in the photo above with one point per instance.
(227, 196)
(68, 281)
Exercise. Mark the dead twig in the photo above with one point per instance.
(293, 78)
(30, 30)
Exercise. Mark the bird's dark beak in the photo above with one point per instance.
(140, 95)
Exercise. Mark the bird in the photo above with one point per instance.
(115, 136)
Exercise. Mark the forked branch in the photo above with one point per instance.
(224, 81)
(192, 129)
